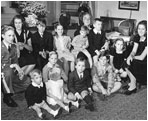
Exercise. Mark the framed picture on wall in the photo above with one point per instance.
(129, 5)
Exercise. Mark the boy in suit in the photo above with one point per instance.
(79, 84)
(97, 40)
(42, 42)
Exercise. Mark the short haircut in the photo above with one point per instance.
(97, 19)
(5, 28)
(41, 21)
(32, 73)
(84, 28)
(80, 59)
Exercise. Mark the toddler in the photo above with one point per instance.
(80, 43)
(36, 95)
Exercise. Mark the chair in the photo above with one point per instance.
(126, 27)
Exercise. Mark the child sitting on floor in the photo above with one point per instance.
(80, 43)
(79, 84)
(36, 95)
(103, 77)
(117, 59)
(53, 76)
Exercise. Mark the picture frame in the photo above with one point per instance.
(129, 5)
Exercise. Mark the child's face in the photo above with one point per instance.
(98, 25)
(83, 33)
(86, 20)
(119, 45)
(41, 28)
(53, 59)
(103, 60)
(80, 66)
(8, 36)
(37, 78)
(141, 30)
(18, 24)
(59, 30)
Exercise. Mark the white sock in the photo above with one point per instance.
(40, 115)
(76, 103)
(66, 108)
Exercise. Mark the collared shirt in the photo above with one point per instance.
(80, 75)
(97, 32)
(41, 34)
(7, 44)
(36, 85)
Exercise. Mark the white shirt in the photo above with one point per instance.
(95, 31)
(36, 85)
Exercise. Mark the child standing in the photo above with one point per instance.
(103, 77)
(36, 95)
(62, 46)
(79, 84)
(53, 76)
(97, 40)
(118, 57)
(80, 43)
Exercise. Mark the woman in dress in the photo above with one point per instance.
(137, 59)
(23, 39)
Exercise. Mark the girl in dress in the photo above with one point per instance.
(53, 76)
(117, 58)
(137, 59)
(62, 46)
(23, 40)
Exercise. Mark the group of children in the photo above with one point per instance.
(82, 82)
(52, 84)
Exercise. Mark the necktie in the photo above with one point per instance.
(81, 76)
(9, 48)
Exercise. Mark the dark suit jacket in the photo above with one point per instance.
(40, 43)
(75, 84)
(8, 58)
(96, 41)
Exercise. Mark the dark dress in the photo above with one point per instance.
(139, 67)
(119, 59)
(26, 57)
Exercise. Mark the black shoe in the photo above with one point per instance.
(9, 102)
(102, 97)
(128, 92)
(43, 117)
(89, 107)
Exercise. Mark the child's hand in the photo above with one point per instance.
(78, 96)
(116, 71)
(121, 70)
(109, 91)
(104, 92)
(90, 91)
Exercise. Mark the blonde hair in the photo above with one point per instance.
(32, 73)
(52, 53)
(5, 28)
